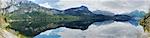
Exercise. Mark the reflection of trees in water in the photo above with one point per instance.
(27, 28)
(34, 28)
(103, 22)
(32, 23)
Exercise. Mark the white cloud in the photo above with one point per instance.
(46, 5)
(116, 6)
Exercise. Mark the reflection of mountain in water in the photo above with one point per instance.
(111, 30)
(32, 20)
(103, 23)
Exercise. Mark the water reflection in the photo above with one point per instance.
(34, 22)
(103, 23)
(112, 30)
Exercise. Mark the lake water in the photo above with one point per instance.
(112, 30)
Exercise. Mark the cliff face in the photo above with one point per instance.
(7, 3)
(4, 3)
(4, 32)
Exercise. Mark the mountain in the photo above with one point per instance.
(30, 19)
(133, 17)
(137, 13)
(137, 16)
(28, 6)
(83, 10)
(7, 5)
(103, 12)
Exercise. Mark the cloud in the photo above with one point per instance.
(46, 3)
(116, 6)
(125, 6)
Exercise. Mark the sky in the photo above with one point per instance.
(115, 6)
